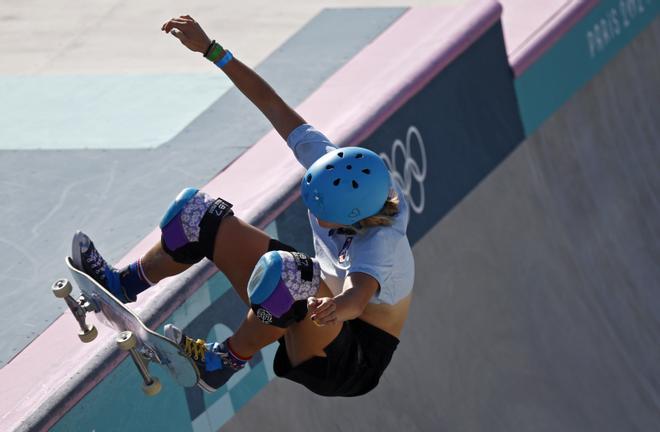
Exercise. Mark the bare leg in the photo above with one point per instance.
(253, 335)
(238, 247)
(158, 265)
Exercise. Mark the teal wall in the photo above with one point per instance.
(578, 56)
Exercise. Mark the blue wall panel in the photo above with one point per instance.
(451, 134)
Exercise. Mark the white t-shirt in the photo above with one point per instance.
(381, 252)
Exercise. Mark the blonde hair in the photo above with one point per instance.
(385, 217)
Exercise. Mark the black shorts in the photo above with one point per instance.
(355, 361)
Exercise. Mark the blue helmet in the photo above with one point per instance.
(346, 185)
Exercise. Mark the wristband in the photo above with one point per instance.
(225, 59)
(206, 53)
(214, 51)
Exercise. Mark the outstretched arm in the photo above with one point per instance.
(283, 118)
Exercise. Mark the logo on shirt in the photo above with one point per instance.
(343, 253)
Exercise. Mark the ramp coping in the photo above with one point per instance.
(531, 28)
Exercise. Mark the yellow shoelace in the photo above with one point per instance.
(195, 348)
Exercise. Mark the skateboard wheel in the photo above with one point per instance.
(61, 288)
(89, 335)
(153, 388)
(126, 340)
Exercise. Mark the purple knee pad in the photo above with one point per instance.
(190, 224)
(280, 285)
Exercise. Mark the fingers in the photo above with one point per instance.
(177, 27)
(179, 35)
(313, 303)
(325, 307)
(175, 23)
(325, 321)
(323, 311)
(183, 21)
(189, 32)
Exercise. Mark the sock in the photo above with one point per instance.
(235, 355)
(134, 280)
(229, 357)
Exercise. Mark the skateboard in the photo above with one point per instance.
(144, 345)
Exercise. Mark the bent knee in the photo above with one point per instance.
(190, 224)
(280, 285)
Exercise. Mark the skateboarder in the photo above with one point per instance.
(337, 316)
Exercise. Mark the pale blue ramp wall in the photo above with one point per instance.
(103, 112)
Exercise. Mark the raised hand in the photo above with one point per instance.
(189, 32)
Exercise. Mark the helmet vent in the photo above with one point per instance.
(340, 154)
(336, 182)
(329, 167)
(349, 167)
(355, 185)
(366, 171)
(309, 178)
(359, 156)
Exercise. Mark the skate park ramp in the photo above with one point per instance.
(528, 146)
(537, 301)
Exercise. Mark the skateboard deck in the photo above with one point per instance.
(145, 345)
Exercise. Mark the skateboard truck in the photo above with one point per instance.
(144, 345)
(62, 289)
(126, 341)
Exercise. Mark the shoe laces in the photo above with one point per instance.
(95, 262)
(195, 348)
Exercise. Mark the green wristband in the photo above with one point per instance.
(214, 55)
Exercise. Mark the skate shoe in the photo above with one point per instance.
(86, 258)
(215, 362)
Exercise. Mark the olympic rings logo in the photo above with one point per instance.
(411, 169)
